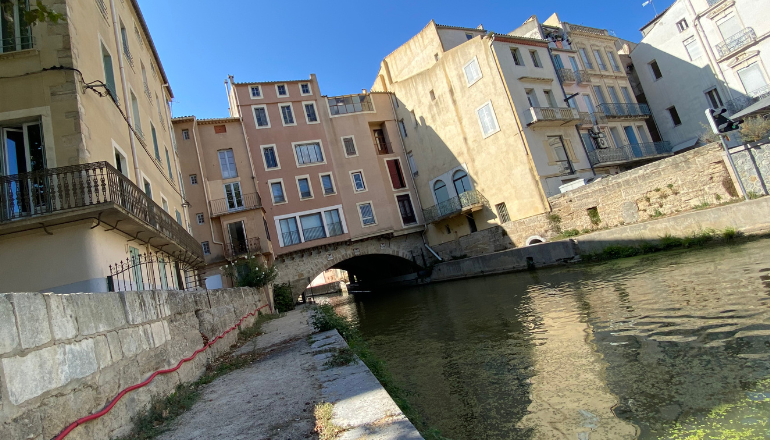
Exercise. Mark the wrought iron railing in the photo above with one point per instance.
(740, 103)
(629, 152)
(128, 56)
(383, 146)
(566, 75)
(13, 44)
(148, 94)
(102, 7)
(340, 105)
(334, 229)
(454, 205)
(595, 118)
(737, 41)
(152, 272)
(314, 233)
(248, 247)
(244, 203)
(553, 114)
(291, 237)
(67, 188)
(624, 110)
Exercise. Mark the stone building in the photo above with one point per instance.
(700, 54)
(90, 190)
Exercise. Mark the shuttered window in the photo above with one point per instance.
(396, 175)
(487, 119)
(406, 209)
(367, 214)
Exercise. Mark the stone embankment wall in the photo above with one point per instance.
(63, 357)
(753, 165)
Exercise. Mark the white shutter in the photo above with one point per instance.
(487, 119)
(729, 26)
(752, 78)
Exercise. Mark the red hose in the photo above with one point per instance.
(107, 409)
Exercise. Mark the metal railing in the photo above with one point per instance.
(383, 146)
(624, 110)
(248, 247)
(629, 152)
(540, 114)
(737, 41)
(454, 205)
(148, 94)
(314, 233)
(566, 75)
(740, 103)
(291, 237)
(102, 7)
(152, 272)
(246, 202)
(334, 229)
(595, 118)
(14, 44)
(341, 105)
(128, 56)
(53, 190)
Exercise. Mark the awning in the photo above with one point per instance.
(684, 145)
(757, 107)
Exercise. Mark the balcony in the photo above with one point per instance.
(91, 191)
(735, 42)
(469, 201)
(616, 110)
(552, 116)
(240, 203)
(629, 153)
(574, 76)
(735, 105)
(250, 246)
(595, 118)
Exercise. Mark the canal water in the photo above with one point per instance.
(666, 346)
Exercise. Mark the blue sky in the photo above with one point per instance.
(342, 42)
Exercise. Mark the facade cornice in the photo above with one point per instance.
(254, 83)
(217, 120)
(505, 38)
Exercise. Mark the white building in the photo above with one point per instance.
(701, 54)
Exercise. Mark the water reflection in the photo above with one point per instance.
(653, 347)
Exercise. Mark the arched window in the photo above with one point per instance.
(440, 191)
(461, 181)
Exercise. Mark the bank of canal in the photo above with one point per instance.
(661, 346)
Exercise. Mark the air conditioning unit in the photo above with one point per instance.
(602, 143)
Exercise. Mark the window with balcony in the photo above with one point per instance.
(261, 119)
(359, 185)
(179, 220)
(396, 174)
(227, 164)
(752, 79)
(350, 146)
(502, 212)
(233, 196)
(328, 184)
(729, 26)
(309, 154)
(289, 231)
(147, 188)
(626, 95)
(549, 98)
(276, 189)
(586, 60)
(440, 193)
(121, 164)
(693, 48)
(599, 60)
(461, 182)
(341, 105)
(15, 33)
(487, 119)
(367, 214)
(535, 58)
(517, 59)
(124, 41)
(256, 92)
(613, 94)
(613, 61)
(305, 192)
(193, 179)
(144, 81)
(713, 98)
(532, 98)
(168, 166)
(312, 227)
(287, 115)
(674, 116)
(281, 90)
(472, 71)
(599, 95)
(310, 115)
(135, 113)
(682, 25)
(271, 159)
(406, 209)
(200, 218)
(656, 74)
(333, 222)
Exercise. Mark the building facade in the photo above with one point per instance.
(90, 189)
(701, 54)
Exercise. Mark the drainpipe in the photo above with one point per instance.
(411, 173)
(203, 182)
(130, 117)
(712, 58)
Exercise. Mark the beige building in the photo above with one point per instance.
(90, 192)
(485, 123)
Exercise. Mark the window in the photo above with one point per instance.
(219, 129)
(185, 134)
(164, 203)
(304, 188)
(312, 227)
(516, 53)
(715, 101)
(179, 218)
(147, 188)
(276, 189)
(432, 96)
(586, 60)
(532, 98)
(144, 80)
(468, 36)
(550, 99)
(287, 115)
(124, 40)
(626, 95)
(304, 89)
(472, 71)
(487, 119)
(358, 181)
(502, 212)
(233, 196)
(396, 174)
(206, 248)
(461, 181)
(682, 25)
(412, 163)
(613, 62)
(613, 94)
(135, 113)
(256, 92)
(333, 222)
(402, 127)
(655, 70)
(556, 143)
(308, 154)
(350, 146)
(599, 95)
(327, 184)
(109, 73)
(271, 160)
(674, 116)
(752, 79)
(340, 105)
(121, 164)
(15, 34)
(729, 26)
(281, 90)
(260, 117)
(693, 48)
(589, 103)
(367, 214)
(200, 218)
(267, 230)
(193, 179)
(414, 117)
(168, 165)
(406, 209)
(599, 60)
(440, 192)
(535, 58)
(289, 231)
(642, 134)
(227, 164)
(310, 115)
(155, 142)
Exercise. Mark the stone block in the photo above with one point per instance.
(158, 333)
(31, 318)
(116, 352)
(140, 306)
(98, 312)
(102, 349)
(9, 336)
(132, 341)
(31, 375)
(63, 322)
(27, 426)
(179, 302)
(76, 360)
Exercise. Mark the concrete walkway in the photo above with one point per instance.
(274, 398)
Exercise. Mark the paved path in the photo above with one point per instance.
(274, 398)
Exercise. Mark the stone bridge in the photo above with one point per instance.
(377, 258)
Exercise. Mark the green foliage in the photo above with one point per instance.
(702, 205)
(616, 251)
(341, 357)
(571, 233)
(670, 186)
(656, 214)
(282, 295)
(326, 430)
(36, 14)
(249, 272)
(730, 233)
(665, 243)
(668, 242)
(593, 214)
(555, 221)
(755, 129)
(657, 190)
(717, 197)
(753, 195)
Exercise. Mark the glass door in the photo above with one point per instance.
(631, 136)
(23, 193)
(237, 237)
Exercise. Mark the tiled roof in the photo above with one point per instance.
(271, 82)
(460, 28)
(656, 18)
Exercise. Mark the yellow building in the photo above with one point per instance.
(90, 192)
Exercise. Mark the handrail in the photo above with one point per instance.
(736, 41)
(247, 202)
(553, 114)
(453, 205)
(624, 110)
(249, 246)
(629, 152)
(740, 103)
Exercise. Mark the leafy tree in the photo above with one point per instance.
(32, 16)
(250, 273)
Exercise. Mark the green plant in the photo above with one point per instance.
(593, 215)
(657, 190)
(571, 233)
(755, 129)
(283, 297)
(32, 16)
(670, 186)
(555, 221)
(699, 238)
(249, 272)
(669, 242)
(753, 195)
(616, 251)
(656, 214)
(341, 357)
(708, 136)
(717, 197)
(323, 422)
(647, 199)
(702, 205)
(729, 233)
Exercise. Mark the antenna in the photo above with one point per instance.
(650, 2)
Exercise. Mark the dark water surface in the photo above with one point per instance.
(668, 346)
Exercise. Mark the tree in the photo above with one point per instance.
(31, 16)
(755, 129)
(250, 273)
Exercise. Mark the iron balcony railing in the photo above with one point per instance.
(740, 103)
(51, 190)
(128, 56)
(540, 114)
(737, 41)
(595, 118)
(291, 237)
(334, 229)
(248, 247)
(629, 152)
(148, 94)
(102, 7)
(624, 110)
(314, 233)
(152, 272)
(454, 205)
(576, 76)
(243, 203)
(14, 44)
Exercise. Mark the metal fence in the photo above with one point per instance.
(334, 228)
(629, 152)
(152, 272)
(740, 103)
(248, 246)
(737, 41)
(617, 109)
(291, 237)
(453, 205)
(314, 233)
(242, 202)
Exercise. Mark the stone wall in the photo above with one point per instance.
(63, 357)
(753, 165)
(482, 242)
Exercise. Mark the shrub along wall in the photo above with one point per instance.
(63, 357)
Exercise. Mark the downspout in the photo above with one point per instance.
(712, 59)
(130, 117)
(411, 173)
(203, 182)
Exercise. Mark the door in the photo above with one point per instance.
(589, 103)
(616, 137)
(237, 237)
(22, 153)
(642, 134)
(406, 210)
(557, 145)
(557, 62)
(312, 227)
(574, 64)
(631, 136)
(136, 268)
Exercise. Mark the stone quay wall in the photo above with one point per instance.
(753, 165)
(63, 357)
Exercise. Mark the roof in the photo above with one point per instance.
(146, 30)
(271, 82)
(761, 106)
(218, 120)
(503, 37)
(444, 26)
(656, 17)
